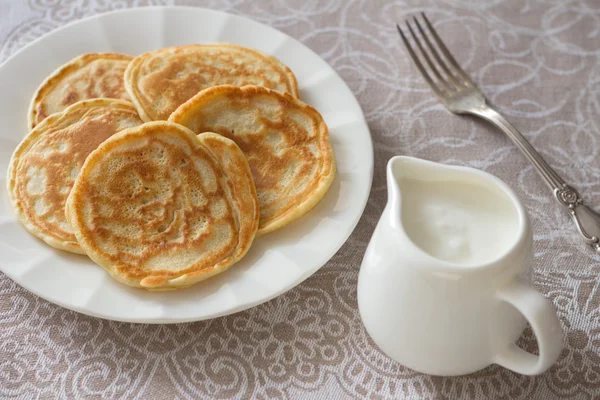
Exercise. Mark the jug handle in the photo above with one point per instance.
(541, 315)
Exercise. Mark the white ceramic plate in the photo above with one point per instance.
(276, 262)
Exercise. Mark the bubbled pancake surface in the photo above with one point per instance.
(159, 81)
(44, 166)
(88, 76)
(285, 141)
(161, 208)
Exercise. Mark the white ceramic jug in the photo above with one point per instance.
(446, 305)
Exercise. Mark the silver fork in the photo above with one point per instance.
(459, 94)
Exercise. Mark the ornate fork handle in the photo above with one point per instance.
(586, 219)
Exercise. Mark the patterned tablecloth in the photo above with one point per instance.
(539, 62)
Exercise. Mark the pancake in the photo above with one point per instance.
(160, 81)
(44, 166)
(88, 76)
(161, 208)
(285, 141)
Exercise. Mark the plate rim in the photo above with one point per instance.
(239, 308)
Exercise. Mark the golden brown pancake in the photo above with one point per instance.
(88, 76)
(285, 140)
(161, 208)
(44, 166)
(160, 81)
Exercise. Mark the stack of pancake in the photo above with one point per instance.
(163, 168)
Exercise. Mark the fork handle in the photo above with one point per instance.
(586, 220)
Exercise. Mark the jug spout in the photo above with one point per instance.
(396, 169)
(399, 169)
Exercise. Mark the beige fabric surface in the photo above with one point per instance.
(539, 62)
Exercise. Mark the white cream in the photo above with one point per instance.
(458, 221)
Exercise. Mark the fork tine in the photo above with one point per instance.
(441, 81)
(436, 55)
(417, 62)
(446, 52)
